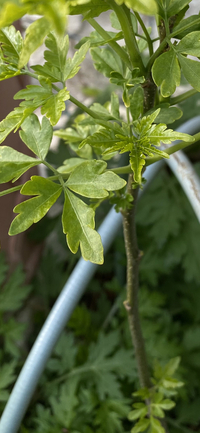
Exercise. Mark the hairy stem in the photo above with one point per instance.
(131, 303)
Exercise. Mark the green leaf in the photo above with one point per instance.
(11, 43)
(190, 44)
(141, 426)
(114, 105)
(191, 71)
(52, 103)
(156, 426)
(141, 412)
(7, 377)
(70, 164)
(193, 23)
(78, 225)
(11, 11)
(140, 6)
(137, 161)
(73, 65)
(167, 404)
(106, 61)
(159, 133)
(136, 103)
(69, 135)
(167, 82)
(55, 105)
(13, 164)
(167, 114)
(34, 37)
(14, 292)
(33, 210)
(90, 10)
(90, 180)
(37, 137)
(170, 8)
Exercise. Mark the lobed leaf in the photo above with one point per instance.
(106, 61)
(33, 210)
(78, 225)
(141, 425)
(73, 65)
(13, 164)
(11, 43)
(34, 37)
(37, 137)
(90, 180)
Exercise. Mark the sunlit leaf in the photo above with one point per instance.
(33, 210)
(13, 164)
(37, 137)
(170, 80)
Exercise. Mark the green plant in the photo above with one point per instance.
(145, 87)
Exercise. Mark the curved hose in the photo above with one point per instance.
(67, 301)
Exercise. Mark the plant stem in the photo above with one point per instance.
(149, 41)
(10, 190)
(183, 97)
(156, 54)
(123, 15)
(131, 304)
(119, 50)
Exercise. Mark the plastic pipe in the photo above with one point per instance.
(184, 171)
(64, 306)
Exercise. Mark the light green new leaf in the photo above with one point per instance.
(13, 164)
(9, 123)
(11, 43)
(136, 103)
(137, 161)
(73, 65)
(191, 71)
(140, 412)
(55, 56)
(167, 404)
(106, 61)
(141, 426)
(52, 103)
(54, 106)
(70, 164)
(156, 426)
(91, 180)
(57, 50)
(141, 6)
(37, 137)
(33, 210)
(78, 225)
(167, 82)
(114, 105)
(34, 37)
(11, 11)
(69, 134)
(190, 44)
(159, 133)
